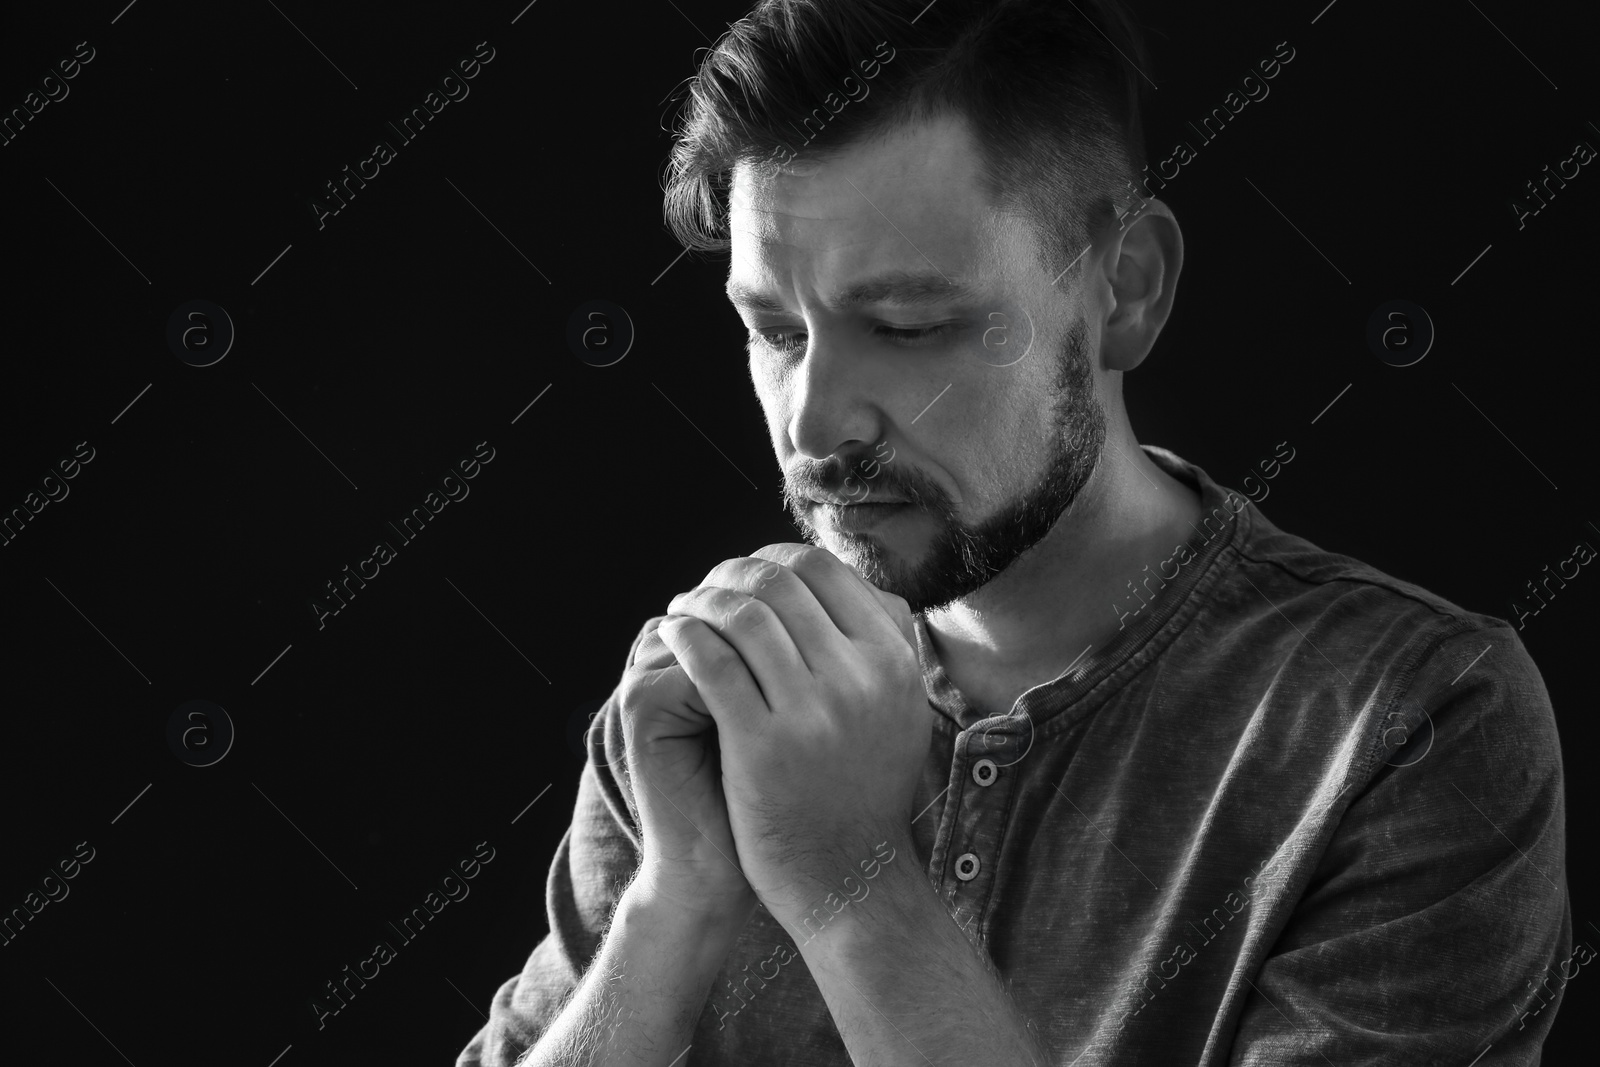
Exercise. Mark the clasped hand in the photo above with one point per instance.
(812, 677)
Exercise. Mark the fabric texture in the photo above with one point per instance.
(1297, 812)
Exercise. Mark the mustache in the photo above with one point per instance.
(862, 478)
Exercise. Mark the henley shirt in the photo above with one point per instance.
(1297, 812)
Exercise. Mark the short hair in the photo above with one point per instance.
(1050, 89)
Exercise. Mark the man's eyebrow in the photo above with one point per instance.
(902, 289)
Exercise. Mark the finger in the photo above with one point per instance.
(644, 632)
(652, 652)
(731, 694)
(754, 631)
(804, 619)
(857, 609)
(670, 687)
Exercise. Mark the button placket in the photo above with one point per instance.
(978, 820)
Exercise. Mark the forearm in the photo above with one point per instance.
(639, 1001)
(906, 987)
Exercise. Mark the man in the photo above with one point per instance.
(911, 793)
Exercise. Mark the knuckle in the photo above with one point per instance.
(750, 616)
(768, 573)
(721, 598)
(813, 561)
(783, 550)
(652, 647)
(643, 686)
(789, 555)
(807, 555)
(719, 574)
(731, 608)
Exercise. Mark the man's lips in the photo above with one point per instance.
(861, 516)
(842, 502)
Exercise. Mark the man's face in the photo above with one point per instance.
(956, 449)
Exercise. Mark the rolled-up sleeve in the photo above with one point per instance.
(596, 859)
(1436, 926)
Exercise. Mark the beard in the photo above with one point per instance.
(963, 557)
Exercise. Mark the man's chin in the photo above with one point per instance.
(871, 561)
(880, 569)
(867, 563)
(872, 558)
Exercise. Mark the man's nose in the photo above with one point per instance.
(831, 407)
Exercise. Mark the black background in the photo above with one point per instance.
(427, 715)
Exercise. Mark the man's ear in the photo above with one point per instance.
(1141, 273)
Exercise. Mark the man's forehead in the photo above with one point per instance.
(902, 288)
(926, 169)
(904, 212)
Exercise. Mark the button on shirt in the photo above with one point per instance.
(1296, 812)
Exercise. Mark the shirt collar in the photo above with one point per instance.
(1219, 504)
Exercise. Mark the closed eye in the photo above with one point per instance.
(793, 343)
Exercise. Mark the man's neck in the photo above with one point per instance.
(1027, 625)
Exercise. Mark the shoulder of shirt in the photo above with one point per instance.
(1300, 572)
(1308, 573)
(1396, 654)
(1382, 636)
(1409, 647)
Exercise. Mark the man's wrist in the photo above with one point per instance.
(707, 936)
(888, 888)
